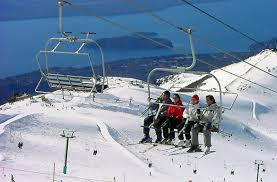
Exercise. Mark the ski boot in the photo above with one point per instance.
(146, 140)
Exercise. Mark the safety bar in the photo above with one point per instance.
(215, 91)
(74, 39)
(61, 52)
(44, 75)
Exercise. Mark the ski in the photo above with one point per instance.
(204, 154)
(130, 144)
(178, 149)
(170, 148)
(148, 149)
(144, 143)
(179, 153)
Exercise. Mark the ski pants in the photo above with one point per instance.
(147, 122)
(206, 129)
(158, 127)
(188, 126)
(172, 124)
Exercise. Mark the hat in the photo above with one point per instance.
(196, 97)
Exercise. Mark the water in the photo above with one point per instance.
(21, 40)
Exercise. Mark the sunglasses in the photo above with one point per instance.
(175, 97)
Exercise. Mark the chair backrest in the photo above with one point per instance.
(70, 82)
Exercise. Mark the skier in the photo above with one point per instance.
(209, 120)
(174, 118)
(20, 145)
(190, 118)
(164, 98)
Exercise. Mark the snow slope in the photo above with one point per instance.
(111, 125)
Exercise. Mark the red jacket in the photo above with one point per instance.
(176, 111)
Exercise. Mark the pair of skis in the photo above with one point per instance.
(173, 150)
(158, 144)
(197, 157)
(153, 145)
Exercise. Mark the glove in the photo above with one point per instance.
(198, 113)
(208, 125)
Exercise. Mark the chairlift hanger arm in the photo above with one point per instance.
(216, 91)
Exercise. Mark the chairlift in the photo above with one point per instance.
(186, 70)
(65, 81)
(71, 82)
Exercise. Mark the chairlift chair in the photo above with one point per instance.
(188, 70)
(185, 70)
(70, 82)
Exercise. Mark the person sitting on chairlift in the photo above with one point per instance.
(164, 98)
(190, 119)
(208, 121)
(174, 118)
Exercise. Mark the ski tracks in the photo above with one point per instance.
(107, 136)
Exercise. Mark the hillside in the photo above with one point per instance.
(134, 68)
(111, 125)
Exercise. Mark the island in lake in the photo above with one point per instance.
(126, 42)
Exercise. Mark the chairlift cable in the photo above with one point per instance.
(89, 13)
(205, 42)
(241, 77)
(222, 22)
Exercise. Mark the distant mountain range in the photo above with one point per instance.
(270, 44)
(134, 68)
(34, 9)
(126, 42)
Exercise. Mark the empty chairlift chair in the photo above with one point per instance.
(64, 82)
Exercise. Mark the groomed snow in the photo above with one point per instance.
(111, 124)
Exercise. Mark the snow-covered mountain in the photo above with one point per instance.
(111, 124)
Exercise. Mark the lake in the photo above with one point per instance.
(21, 40)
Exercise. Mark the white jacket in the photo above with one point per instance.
(211, 114)
(191, 112)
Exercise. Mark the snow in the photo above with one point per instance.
(111, 124)
(175, 82)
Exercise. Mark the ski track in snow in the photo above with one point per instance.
(14, 118)
(109, 138)
(264, 131)
(112, 109)
(254, 115)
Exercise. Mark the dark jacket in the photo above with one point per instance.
(155, 106)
